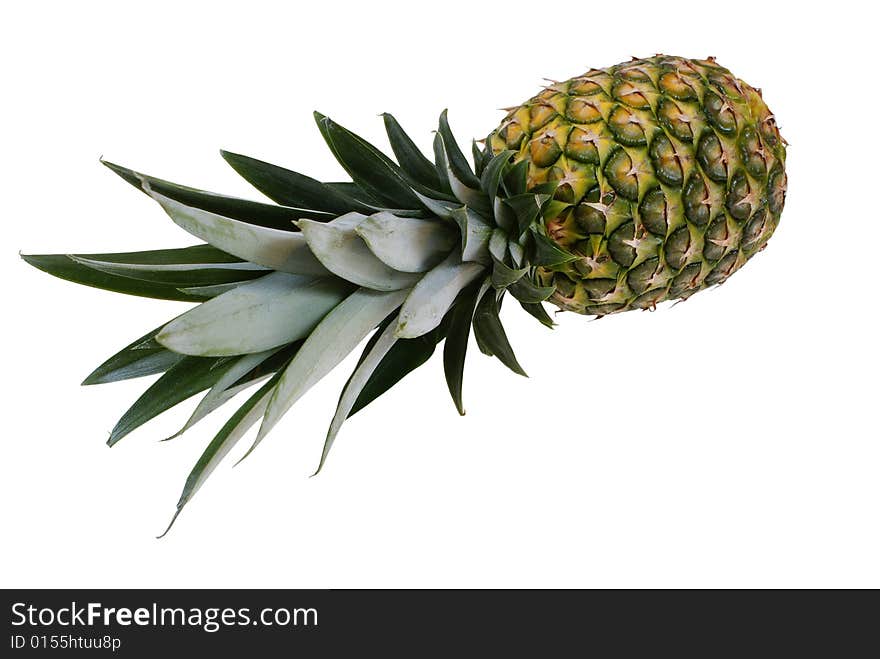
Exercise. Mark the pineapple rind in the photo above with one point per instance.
(672, 172)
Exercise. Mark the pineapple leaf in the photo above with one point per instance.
(525, 290)
(490, 333)
(458, 164)
(227, 387)
(498, 245)
(228, 436)
(490, 180)
(516, 179)
(466, 194)
(286, 251)
(442, 208)
(63, 267)
(284, 186)
(343, 252)
(547, 253)
(408, 155)
(355, 191)
(479, 159)
(178, 274)
(407, 244)
(142, 357)
(404, 357)
(210, 291)
(553, 208)
(183, 380)
(475, 236)
(504, 276)
(355, 385)
(441, 164)
(368, 167)
(243, 210)
(258, 316)
(455, 347)
(434, 295)
(537, 310)
(505, 218)
(526, 207)
(517, 254)
(194, 255)
(334, 338)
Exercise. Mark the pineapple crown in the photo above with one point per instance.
(412, 252)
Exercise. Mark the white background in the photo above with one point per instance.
(730, 441)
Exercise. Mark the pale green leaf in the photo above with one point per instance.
(407, 244)
(286, 251)
(331, 341)
(267, 313)
(432, 297)
(343, 252)
(356, 384)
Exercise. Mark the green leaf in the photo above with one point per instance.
(404, 357)
(291, 188)
(553, 208)
(455, 347)
(537, 310)
(407, 244)
(352, 189)
(547, 253)
(201, 255)
(434, 295)
(473, 197)
(475, 236)
(343, 252)
(490, 332)
(527, 208)
(178, 274)
(186, 378)
(210, 291)
(482, 156)
(485, 286)
(228, 436)
(334, 337)
(277, 360)
(286, 251)
(516, 179)
(498, 245)
(517, 253)
(232, 382)
(408, 155)
(394, 363)
(264, 314)
(457, 162)
(243, 210)
(63, 267)
(525, 290)
(504, 216)
(492, 175)
(441, 164)
(355, 385)
(442, 208)
(504, 276)
(367, 166)
(141, 357)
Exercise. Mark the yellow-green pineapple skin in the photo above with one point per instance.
(674, 170)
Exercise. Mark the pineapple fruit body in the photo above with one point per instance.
(673, 175)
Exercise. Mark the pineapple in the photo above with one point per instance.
(614, 190)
